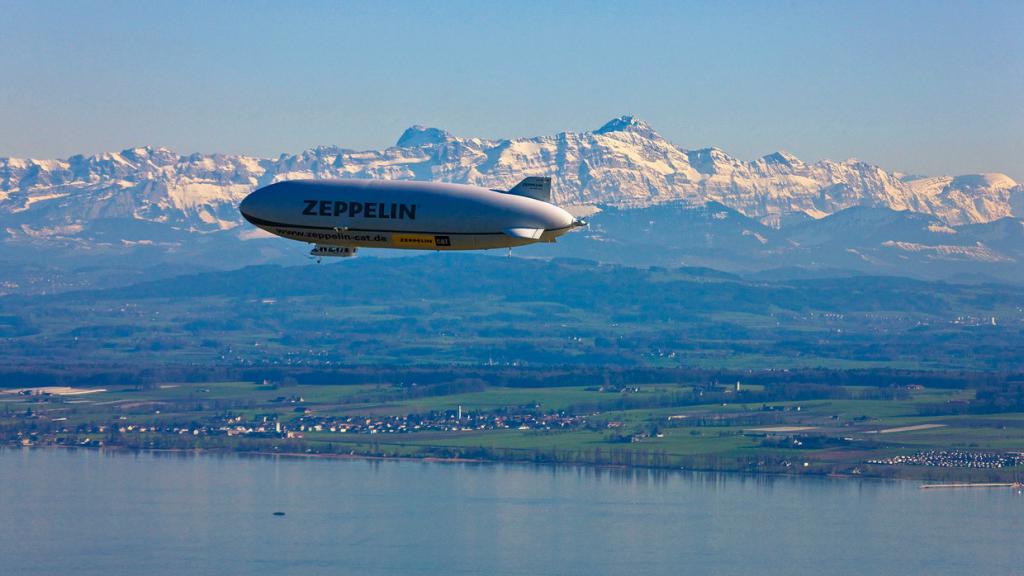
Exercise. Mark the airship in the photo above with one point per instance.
(340, 216)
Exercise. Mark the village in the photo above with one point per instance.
(272, 425)
(955, 459)
(446, 421)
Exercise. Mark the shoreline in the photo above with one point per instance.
(955, 485)
(921, 482)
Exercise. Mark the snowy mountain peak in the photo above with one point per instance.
(990, 180)
(627, 123)
(417, 135)
(784, 158)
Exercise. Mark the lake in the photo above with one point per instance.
(93, 512)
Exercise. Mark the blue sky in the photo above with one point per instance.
(928, 87)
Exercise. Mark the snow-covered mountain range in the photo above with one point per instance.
(145, 213)
(624, 164)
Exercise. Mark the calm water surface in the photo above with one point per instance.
(89, 512)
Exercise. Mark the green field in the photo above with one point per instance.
(823, 435)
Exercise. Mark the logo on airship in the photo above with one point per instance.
(393, 211)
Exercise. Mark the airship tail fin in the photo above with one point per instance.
(536, 187)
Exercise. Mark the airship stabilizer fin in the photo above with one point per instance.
(525, 233)
(536, 187)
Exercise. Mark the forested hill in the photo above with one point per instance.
(472, 310)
